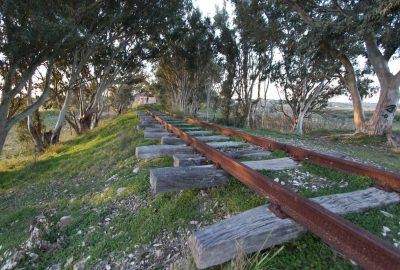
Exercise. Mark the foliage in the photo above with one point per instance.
(186, 69)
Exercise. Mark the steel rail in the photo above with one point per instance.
(367, 250)
(382, 179)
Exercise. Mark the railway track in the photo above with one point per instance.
(367, 250)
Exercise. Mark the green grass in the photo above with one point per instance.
(361, 139)
(332, 181)
(71, 179)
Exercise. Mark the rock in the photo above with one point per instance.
(54, 267)
(386, 214)
(10, 264)
(33, 256)
(159, 253)
(112, 178)
(34, 238)
(64, 221)
(120, 190)
(135, 170)
(69, 262)
(81, 264)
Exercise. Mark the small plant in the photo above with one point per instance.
(258, 261)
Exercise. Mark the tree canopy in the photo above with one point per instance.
(79, 57)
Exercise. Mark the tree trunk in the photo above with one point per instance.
(73, 123)
(55, 134)
(3, 136)
(305, 108)
(119, 111)
(299, 123)
(36, 136)
(4, 129)
(247, 122)
(84, 123)
(382, 119)
(95, 120)
(351, 84)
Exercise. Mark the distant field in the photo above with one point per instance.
(337, 117)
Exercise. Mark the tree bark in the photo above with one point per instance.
(36, 136)
(3, 135)
(382, 119)
(4, 129)
(304, 109)
(85, 122)
(7, 122)
(351, 84)
(35, 132)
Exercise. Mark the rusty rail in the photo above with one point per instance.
(366, 249)
(382, 179)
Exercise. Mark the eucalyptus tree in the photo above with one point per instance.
(256, 41)
(305, 82)
(305, 79)
(32, 36)
(91, 28)
(227, 49)
(187, 65)
(344, 25)
(110, 31)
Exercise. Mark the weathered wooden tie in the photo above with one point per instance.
(147, 125)
(157, 151)
(141, 113)
(276, 164)
(179, 178)
(214, 144)
(228, 144)
(170, 179)
(155, 129)
(259, 228)
(256, 153)
(149, 135)
(186, 160)
(191, 128)
(181, 125)
(199, 133)
(156, 135)
(174, 140)
(146, 119)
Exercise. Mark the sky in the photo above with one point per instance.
(207, 7)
